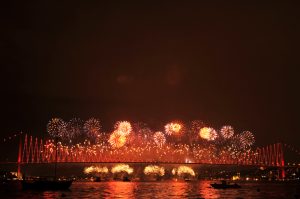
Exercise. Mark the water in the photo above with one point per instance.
(169, 189)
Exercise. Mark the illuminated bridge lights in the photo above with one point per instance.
(38, 151)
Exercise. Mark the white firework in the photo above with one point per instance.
(227, 131)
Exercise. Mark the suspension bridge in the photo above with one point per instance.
(33, 150)
(37, 151)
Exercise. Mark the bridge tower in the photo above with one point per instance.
(20, 156)
(282, 170)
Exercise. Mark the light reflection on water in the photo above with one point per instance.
(207, 192)
(169, 189)
(120, 189)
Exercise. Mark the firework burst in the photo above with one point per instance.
(95, 169)
(159, 138)
(247, 138)
(56, 128)
(122, 168)
(183, 170)
(213, 134)
(123, 127)
(227, 131)
(139, 143)
(117, 140)
(153, 169)
(173, 128)
(92, 128)
(208, 133)
(74, 128)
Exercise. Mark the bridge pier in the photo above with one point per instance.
(281, 173)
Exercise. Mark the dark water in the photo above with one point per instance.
(170, 189)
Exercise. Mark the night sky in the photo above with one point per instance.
(223, 63)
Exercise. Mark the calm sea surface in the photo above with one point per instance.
(170, 189)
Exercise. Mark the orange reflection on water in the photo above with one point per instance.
(206, 191)
(117, 189)
(50, 194)
(178, 189)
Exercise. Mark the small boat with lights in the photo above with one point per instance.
(9, 181)
(46, 184)
(225, 185)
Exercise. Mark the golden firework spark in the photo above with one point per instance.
(123, 127)
(95, 169)
(117, 140)
(159, 138)
(122, 168)
(185, 170)
(173, 128)
(153, 169)
(208, 133)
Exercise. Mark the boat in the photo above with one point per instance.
(9, 181)
(97, 179)
(225, 185)
(187, 179)
(46, 184)
(126, 179)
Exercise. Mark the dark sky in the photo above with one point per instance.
(223, 63)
